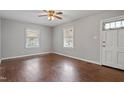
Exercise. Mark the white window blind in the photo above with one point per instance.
(32, 38)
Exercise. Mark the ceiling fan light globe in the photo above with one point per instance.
(49, 18)
(52, 17)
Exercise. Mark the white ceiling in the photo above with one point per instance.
(31, 16)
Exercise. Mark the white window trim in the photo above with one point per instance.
(26, 37)
(64, 29)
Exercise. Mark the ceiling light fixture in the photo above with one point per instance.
(51, 14)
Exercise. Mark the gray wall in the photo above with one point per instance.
(85, 45)
(13, 40)
(0, 38)
(86, 36)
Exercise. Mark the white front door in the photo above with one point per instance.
(113, 48)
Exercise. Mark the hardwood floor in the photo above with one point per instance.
(56, 68)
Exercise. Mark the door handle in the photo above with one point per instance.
(103, 45)
(103, 41)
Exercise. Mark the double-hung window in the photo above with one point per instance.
(32, 38)
(68, 37)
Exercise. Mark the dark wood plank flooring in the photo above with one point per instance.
(56, 68)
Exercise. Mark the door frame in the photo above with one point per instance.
(101, 29)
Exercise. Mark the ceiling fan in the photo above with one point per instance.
(51, 14)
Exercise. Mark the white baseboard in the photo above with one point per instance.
(89, 61)
(24, 55)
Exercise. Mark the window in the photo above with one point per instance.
(32, 38)
(68, 37)
(123, 23)
(107, 26)
(114, 25)
(118, 24)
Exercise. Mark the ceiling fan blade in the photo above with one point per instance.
(45, 11)
(59, 12)
(42, 15)
(58, 17)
